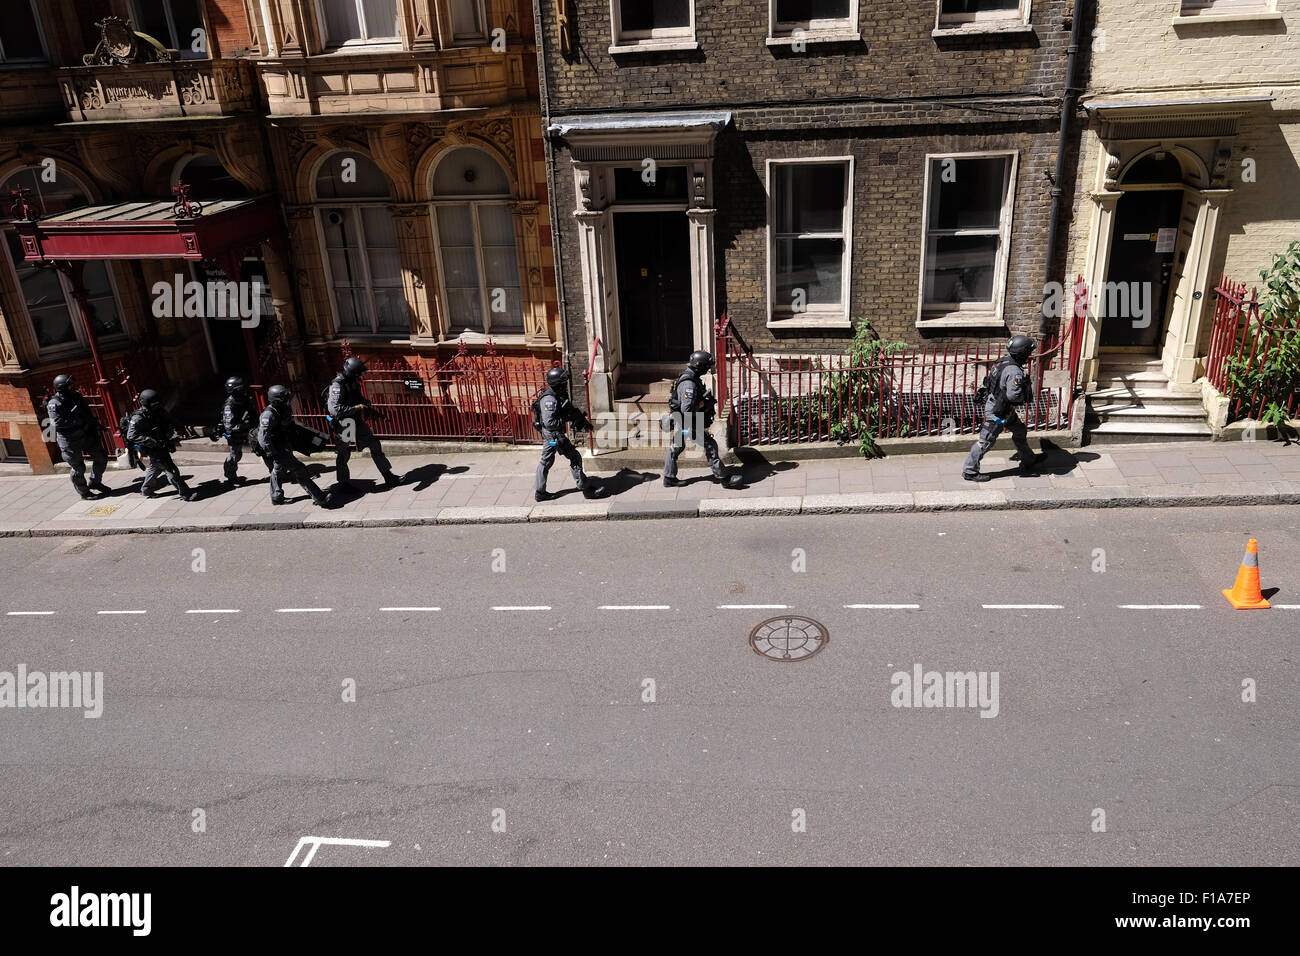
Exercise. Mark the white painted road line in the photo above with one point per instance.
(410, 609)
(28, 613)
(523, 607)
(635, 607)
(317, 842)
(1160, 607)
(1022, 607)
(753, 607)
(121, 612)
(1280, 607)
(213, 610)
(883, 607)
(303, 610)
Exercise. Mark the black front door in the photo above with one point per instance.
(653, 259)
(1141, 267)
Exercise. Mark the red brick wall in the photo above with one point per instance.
(230, 31)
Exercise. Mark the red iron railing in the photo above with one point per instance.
(779, 399)
(1240, 334)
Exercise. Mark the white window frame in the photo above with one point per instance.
(184, 48)
(353, 207)
(975, 314)
(475, 203)
(668, 38)
(988, 21)
(782, 315)
(1191, 12)
(40, 33)
(355, 42)
(840, 30)
(466, 39)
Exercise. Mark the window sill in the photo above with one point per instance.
(959, 320)
(654, 46)
(379, 46)
(479, 338)
(806, 321)
(811, 37)
(1258, 16)
(982, 27)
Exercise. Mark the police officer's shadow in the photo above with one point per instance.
(1060, 461)
(426, 475)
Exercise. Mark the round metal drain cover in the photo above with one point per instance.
(789, 638)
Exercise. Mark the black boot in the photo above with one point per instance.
(670, 482)
(542, 496)
(392, 480)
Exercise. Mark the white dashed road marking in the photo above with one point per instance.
(1022, 607)
(753, 607)
(635, 607)
(317, 842)
(410, 609)
(303, 610)
(883, 607)
(28, 613)
(121, 612)
(213, 610)
(523, 607)
(1160, 607)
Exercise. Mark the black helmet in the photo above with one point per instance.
(149, 398)
(62, 382)
(1020, 347)
(557, 378)
(279, 394)
(354, 367)
(700, 362)
(235, 384)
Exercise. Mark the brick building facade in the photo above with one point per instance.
(822, 162)
(400, 139)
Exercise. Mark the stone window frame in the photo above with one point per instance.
(80, 346)
(1194, 12)
(966, 315)
(40, 33)
(845, 30)
(185, 49)
(319, 205)
(509, 336)
(356, 45)
(991, 21)
(820, 318)
(675, 38)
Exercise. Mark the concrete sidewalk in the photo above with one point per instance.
(497, 487)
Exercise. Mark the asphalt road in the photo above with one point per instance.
(226, 694)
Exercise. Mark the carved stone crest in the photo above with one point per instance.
(120, 45)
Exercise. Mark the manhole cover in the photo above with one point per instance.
(789, 638)
(102, 511)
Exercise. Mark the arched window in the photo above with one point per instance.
(208, 179)
(46, 293)
(476, 243)
(361, 245)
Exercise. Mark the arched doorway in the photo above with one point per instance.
(1142, 269)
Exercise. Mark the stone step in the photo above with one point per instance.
(1116, 413)
(1135, 380)
(658, 390)
(1132, 432)
(1144, 393)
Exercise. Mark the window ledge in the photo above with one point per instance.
(981, 27)
(957, 320)
(816, 36)
(1258, 16)
(811, 322)
(479, 338)
(655, 46)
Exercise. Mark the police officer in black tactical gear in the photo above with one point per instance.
(1008, 385)
(275, 435)
(553, 412)
(78, 433)
(693, 407)
(153, 433)
(347, 409)
(239, 425)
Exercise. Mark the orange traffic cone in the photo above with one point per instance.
(1245, 593)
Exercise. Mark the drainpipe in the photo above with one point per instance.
(539, 37)
(1068, 100)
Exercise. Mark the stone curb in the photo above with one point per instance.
(1173, 496)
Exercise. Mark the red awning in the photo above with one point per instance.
(222, 232)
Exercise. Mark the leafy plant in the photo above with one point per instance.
(851, 401)
(1275, 377)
